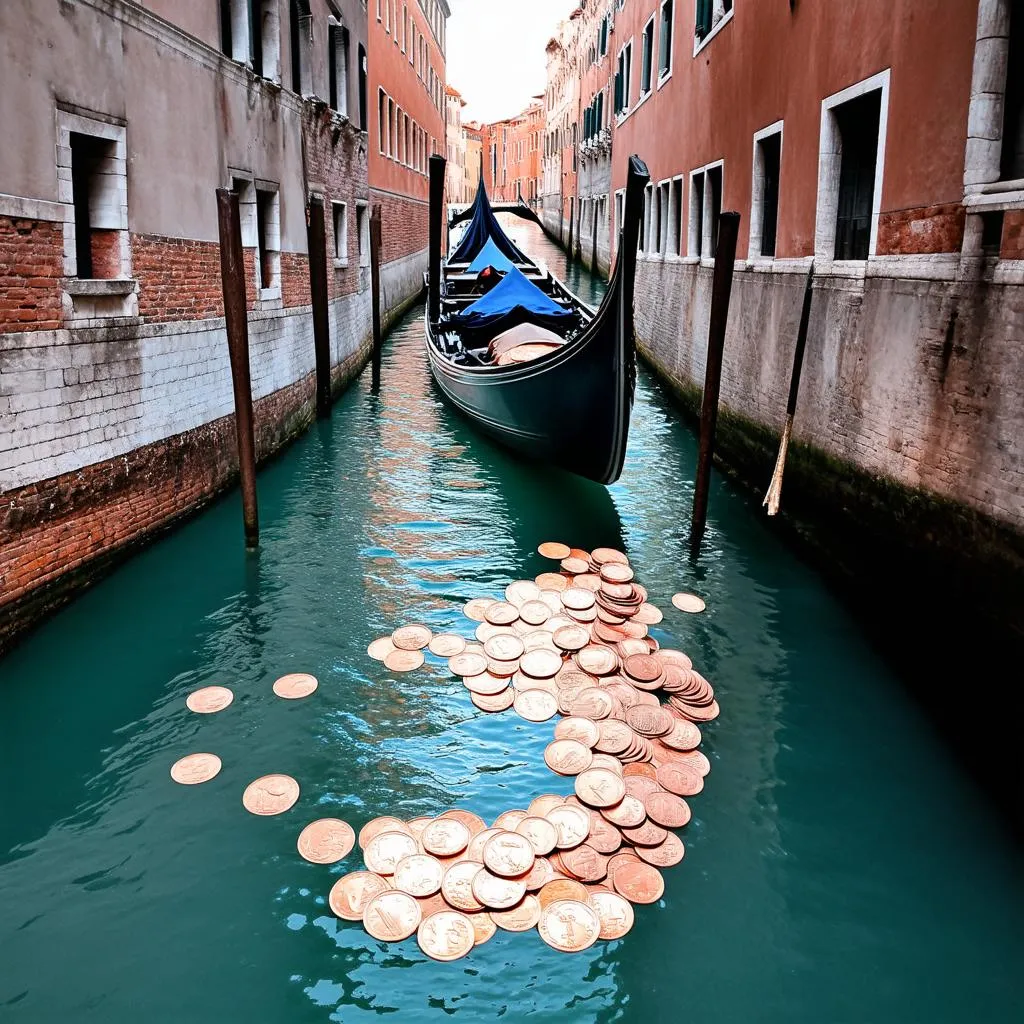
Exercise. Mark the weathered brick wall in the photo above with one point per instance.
(1012, 247)
(927, 230)
(179, 279)
(902, 378)
(404, 226)
(31, 265)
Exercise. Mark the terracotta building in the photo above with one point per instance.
(406, 86)
(474, 158)
(884, 147)
(516, 155)
(115, 392)
(455, 150)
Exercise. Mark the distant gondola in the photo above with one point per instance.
(511, 347)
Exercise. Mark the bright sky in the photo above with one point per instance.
(496, 53)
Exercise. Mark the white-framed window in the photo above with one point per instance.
(363, 232)
(851, 162)
(706, 185)
(268, 240)
(337, 65)
(378, 10)
(250, 33)
(675, 217)
(647, 58)
(392, 133)
(339, 218)
(711, 17)
(620, 206)
(382, 121)
(405, 25)
(666, 30)
(764, 195)
(646, 238)
(623, 78)
(301, 48)
(664, 200)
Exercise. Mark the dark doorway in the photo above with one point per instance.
(858, 129)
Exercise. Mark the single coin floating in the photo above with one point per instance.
(447, 935)
(400, 660)
(209, 700)
(295, 686)
(326, 841)
(195, 769)
(271, 794)
(554, 550)
(689, 603)
(380, 648)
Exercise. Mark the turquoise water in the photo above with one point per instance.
(839, 867)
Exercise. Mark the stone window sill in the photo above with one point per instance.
(100, 287)
(340, 264)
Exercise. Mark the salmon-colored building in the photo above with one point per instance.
(515, 156)
(881, 141)
(407, 125)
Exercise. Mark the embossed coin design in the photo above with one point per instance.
(392, 916)
(295, 686)
(352, 892)
(271, 794)
(569, 926)
(446, 935)
(209, 700)
(195, 769)
(326, 841)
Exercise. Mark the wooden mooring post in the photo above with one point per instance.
(721, 291)
(378, 338)
(232, 273)
(316, 238)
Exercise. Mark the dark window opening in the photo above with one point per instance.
(362, 87)
(646, 57)
(332, 65)
(991, 233)
(858, 129)
(256, 36)
(771, 155)
(714, 184)
(1012, 156)
(665, 57)
(225, 28)
(294, 29)
(264, 202)
(677, 217)
(697, 209)
(97, 243)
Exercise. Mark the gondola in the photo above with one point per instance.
(526, 360)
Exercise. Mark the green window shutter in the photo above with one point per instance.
(704, 12)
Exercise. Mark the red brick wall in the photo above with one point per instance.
(105, 247)
(295, 279)
(927, 230)
(1012, 247)
(404, 227)
(178, 279)
(31, 266)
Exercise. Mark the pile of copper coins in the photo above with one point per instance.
(572, 643)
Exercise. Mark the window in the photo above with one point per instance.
(675, 239)
(381, 120)
(363, 231)
(399, 152)
(251, 34)
(300, 33)
(665, 39)
(405, 25)
(392, 142)
(712, 208)
(622, 78)
(603, 43)
(764, 200)
(695, 241)
(646, 58)
(96, 188)
(337, 66)
(850, 165)
(268, 239)
(340, 217)
(408, 141)
(645, 220)
(664, 198)
(362, 87)
(620, 201)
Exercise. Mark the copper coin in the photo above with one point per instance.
(683, 735)
(411, 638)
(577, 599)
(472, 821)
(552, 581)
(604, 837)
(585, 863)
(271, 794)
(638, 882)
(495, 892)
(380, 648)
(625, 856)
(384, 851)
(475, 609)
(645, 834)
(374, 828)
(649, 614)
(616, 572)
(352, 892)
(593, 703)
(597, 660)
(582, 730)
(508, 820)
(569, 926)
(536, 705)
(680, 779)
(628, 647)
(419, 875)
(508, 854)
(567, 757)
(446, 645)
(571, 638)
(553, 549)
(640, 786)
(571, 823)
(468, 663)
(501, 613)
(614, 912)
(540, 663)
(483, 927)
(504, 647)
(540, 640)
(613, 764)
(486, 684)
(646, 770)
(535, 612)
(209, 700)
(521, 591)
(688, 603)
(562, 889)
(446, 935)
(644, 668)
(499, 702)
(628, 813)
(539, 833)
(648, 720)
(295, 686)
(540, 805)
(603, 555)
(326, 841)
(445, 837)
(392, 916)
(540, 874)
(598, 787)
(194, 769)
(520, 918)
(431, 904)
(400, 660)
(574, 566)
(667, 853)
(614, 737)
(667, 809)
(457, 885)
(417, 825)
(475, 850)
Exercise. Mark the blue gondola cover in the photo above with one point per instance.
(484, 227)
(490, 256)
(514, 301)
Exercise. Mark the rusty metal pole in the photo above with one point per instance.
(378, 340)
(316, 237)
(721, 290)
(232, 272)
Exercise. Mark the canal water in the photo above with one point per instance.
(839, 866)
